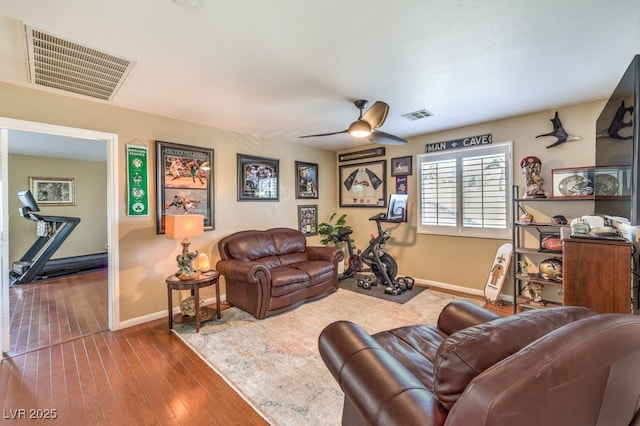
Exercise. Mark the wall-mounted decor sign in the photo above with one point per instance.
(185, 182)
(306, 180)
(257, 178)
(363, 184)
(459, 143)
(53, 191)
(137, 181)
(359, 155)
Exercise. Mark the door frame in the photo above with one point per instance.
(113, 219)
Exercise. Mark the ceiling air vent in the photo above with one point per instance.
(417, 115)
(69, 66)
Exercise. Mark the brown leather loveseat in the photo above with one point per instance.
(268, 272)
(553, 366)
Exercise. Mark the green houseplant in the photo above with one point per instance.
(329, 230)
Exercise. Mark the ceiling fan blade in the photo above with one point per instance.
(385, 138)
(323, 134)
(376, 115)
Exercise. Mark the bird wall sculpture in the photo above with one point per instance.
(558, 132)
(618, 124)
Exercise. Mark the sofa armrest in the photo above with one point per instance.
(242, 270)
(460, 314)
(378, 389)
(330, 254)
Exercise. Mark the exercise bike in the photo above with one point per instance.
(374, 259)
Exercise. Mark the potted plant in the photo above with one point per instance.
(329, 230)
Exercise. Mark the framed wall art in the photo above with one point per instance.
(307, 180)
(257, 178)
(359, 155)
(53, 191)
(363, 184)
(572, 182)
(308, 220)
(401, 166)
(185, 182)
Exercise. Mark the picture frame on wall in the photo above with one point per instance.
(401, 166)
(573, 182)
(363, 184)
(306, 180)
(184, 182)
(308, 220)
(258, 178)
(53, 191)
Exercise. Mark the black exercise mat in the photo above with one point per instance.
(378, 291)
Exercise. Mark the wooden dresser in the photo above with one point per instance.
(597, 274)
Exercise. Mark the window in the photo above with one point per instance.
(466, 192)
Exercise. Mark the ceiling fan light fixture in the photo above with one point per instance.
(359, 129)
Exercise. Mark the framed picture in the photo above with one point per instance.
(53, 191)
(359, 155)
(184, 182)
(257, 178)
(363, 184)
(572, 182)
(613, 181)
(401, 166)
(307, 180)
(308, 220)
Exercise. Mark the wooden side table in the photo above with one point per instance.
(203, 314)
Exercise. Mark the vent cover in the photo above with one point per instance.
(417, 115)
(65, 65)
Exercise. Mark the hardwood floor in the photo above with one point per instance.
(141, 375)
(44, 313)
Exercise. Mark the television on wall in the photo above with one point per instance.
(617, 171)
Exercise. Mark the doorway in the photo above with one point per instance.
(111, 141)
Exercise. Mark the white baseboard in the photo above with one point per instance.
(452, 287)
(161, 314)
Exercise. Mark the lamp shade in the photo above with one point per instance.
(359, 129)
(177, 227)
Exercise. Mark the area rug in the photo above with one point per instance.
(275, 364)
(351, 284)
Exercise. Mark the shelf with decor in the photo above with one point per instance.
(537, 254)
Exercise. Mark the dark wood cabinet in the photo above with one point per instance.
(597, 274)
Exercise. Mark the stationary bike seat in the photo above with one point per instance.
(343, 232)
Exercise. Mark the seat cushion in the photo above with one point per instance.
(315, 268)
(415, 347)
(469, 352)
(285, 280)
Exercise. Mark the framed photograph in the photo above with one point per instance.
(401, 166)
(308, 220)
(613, 181)
(363, 184)
(184, 182)
(53, 191)
(359, 155)
(307, 180)
(257, 178)
(572, 182)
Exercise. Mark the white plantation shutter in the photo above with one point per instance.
(466, 191)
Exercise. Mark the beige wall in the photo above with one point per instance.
(466, 261)
(146, 258)
(90, 235)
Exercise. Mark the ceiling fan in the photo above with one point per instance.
(367, 124)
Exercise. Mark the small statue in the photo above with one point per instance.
(531, 172)
(185, 264)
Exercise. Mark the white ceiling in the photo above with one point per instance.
(284, 68)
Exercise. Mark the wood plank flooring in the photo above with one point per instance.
(48, 312)
(142, 375)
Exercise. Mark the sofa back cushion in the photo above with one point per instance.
(469, 352)
(278, 243)
(251, 246)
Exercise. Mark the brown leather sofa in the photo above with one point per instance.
(554, 366)
(268, 272)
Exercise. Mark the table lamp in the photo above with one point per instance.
(182, 227)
